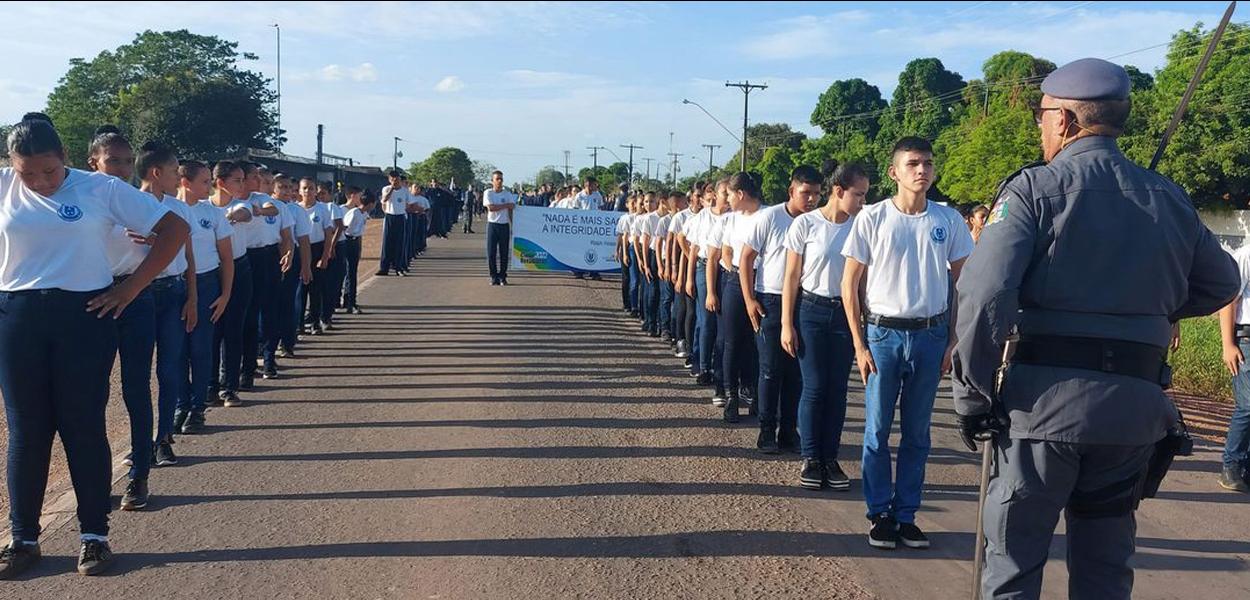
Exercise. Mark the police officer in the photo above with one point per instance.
(1091, 258)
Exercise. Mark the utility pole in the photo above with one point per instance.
(321, 133)
(395, 155)
(673, 171)
(746, 87)
(710, 149)
(594, 156)
(657, 169)
(631, 159)
(566, 166)
(279, 30)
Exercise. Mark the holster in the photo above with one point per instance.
(1176, 443)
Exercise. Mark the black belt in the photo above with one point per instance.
(908, 324)
(821, 300)
(1118, 357)
(208, 272)
(240, 259)
(158, 282)
(268, 248)
(353, 237)
(1241, 332)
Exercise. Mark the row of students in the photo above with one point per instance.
(786, 298)
(195, 267)
(407, 224)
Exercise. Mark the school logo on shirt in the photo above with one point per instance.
(206, 224)
(316, 218)
(938, 235)
(271, 220)
(69, 213)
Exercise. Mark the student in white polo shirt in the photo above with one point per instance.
(659, 248)
(712, 337)
(214, 279)
(264, 253)
(814, 327)
(227, 196)
(58, 336)
(336, 270)
(296, 268)
(650, 266)
(676, 258)
(354, 221)
(911, 248)
(395, 200)
(318, 214)
(762, 281)
(739, 356)
(623, 254)
(499, 203)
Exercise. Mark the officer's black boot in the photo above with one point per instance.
(1232, 479)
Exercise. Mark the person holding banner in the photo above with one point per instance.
(500, 203)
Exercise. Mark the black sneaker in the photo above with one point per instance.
(911, 536)
(812, 475)
(1232, 480)
(718, 398)
(835, 478)
(164, 456)
(16, 558)
(231, 400)
(382, 274)
(247, 382)
(596, 277)
(731, 410)
(789, 444)
(94, 558)
(270, 372)
(136, 496)
(194, 424)
(703, 379)
(767, 442)
(884, 532)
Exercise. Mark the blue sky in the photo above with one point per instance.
(518, 83)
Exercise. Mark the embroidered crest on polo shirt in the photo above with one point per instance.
(938, 235)
(271, 220)
(316, 219)
(206, 224)
(69, 213)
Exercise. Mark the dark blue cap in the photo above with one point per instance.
(1088, 79)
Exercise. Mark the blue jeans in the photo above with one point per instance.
(498, 236)
(1237, 447)
(228, 334)
(666, 307)
(196, 380)
(136, 340)
(171, 354)
(55, 360)
(909, 368)
(825, 357)
(351, 256)
(635, 281)
(333, 290)
(261, 321)
(651, 297)
(780, 383)
(421, 229)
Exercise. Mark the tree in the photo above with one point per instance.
(848, 97)
(924, 104)
(444, 165)
(1140, 81)
(994, 134)
(482, 172)
(1209, 155)
(549, 175)
(774, 170)
(762, 136)
(4, 140)
(619, 171)
(172, 84)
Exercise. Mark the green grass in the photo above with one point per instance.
(1198, 367)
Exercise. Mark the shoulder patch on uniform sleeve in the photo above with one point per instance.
(1000, 209)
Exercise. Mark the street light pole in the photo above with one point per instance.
(594, 157)
(746, 87)
(278, 29)
(395, 153)
(631, 159)
(710, 149)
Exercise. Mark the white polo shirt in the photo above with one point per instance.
(398, 204)
(649, 223)
(660, 233)
(58, 242)
(337, 212)
(1242, 258)
(300, 225)
(493, 198)
(319, 219)
(584, 201)
(208, 226)
(354, 220)
(622, 224)
(738, 227)
(269, 231)
(240, 233)
(422, 201)
(820, 242)
(178, 266)
(713, 235)
(913, 252)
(767, 237)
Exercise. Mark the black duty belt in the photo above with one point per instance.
(1241, 332)
(821, 300)
(1118, 357)
(908, 324)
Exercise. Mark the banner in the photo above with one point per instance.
(559, 239)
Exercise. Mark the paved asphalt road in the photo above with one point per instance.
(467, 441)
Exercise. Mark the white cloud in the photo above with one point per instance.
(808, 36)
(545, 79)
(449, 84)
(364, 72)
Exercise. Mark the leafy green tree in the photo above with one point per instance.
(774, 170)
(1209, 155)
(549, 175)
(762, 136)
(482, 171)
(844, 98)
(924, 103)
(174, 86)
(444, 165)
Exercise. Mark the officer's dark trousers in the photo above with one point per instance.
(314, 293)
(1035, 481)
(351, 255)
(266, 279)
(412, 246)
(136, 340)
(393, 229)
(55, 360)
(780, 383)
(498, 235)
(228, 335)
(740, 350)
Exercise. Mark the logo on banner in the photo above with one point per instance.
(69, 213)
(938, 235)
(591, 257)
